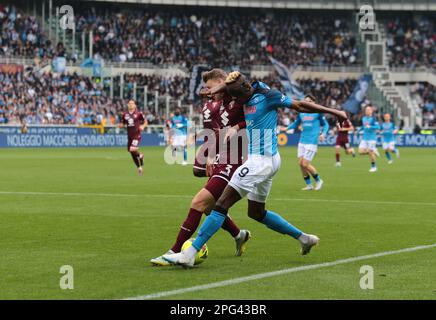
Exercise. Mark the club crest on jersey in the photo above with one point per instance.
(249, 109)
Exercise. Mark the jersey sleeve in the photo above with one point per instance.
(276, 99)
(141, 118)
(294, 125)
(324, 124)
(123, 118)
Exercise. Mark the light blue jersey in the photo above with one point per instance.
(180, 123)
(388, 129)
(369, 127)
(311, 123)
(261, 118)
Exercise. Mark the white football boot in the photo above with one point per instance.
(241, 240)
(181, 258)
(338, 164)
(308, 187)
(307, 241)
(160, 261)
(318, 184)
(373, 169)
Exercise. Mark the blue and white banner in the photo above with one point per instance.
(356, 98)
(58, 137)
(292, 88)
(403, 140)
(59, 64)
(196, 81)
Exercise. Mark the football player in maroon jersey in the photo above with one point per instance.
(135, 122)
(342, 140)
(220, 113)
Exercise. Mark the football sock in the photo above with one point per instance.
(210, 226)
(307, 180)
(388, 155)
(141, 159)
(316, 176)
(185, 154)
(187, 229)
(275, 222)
(372, 164)
(338, 157)
(135, 157)
(230, 227)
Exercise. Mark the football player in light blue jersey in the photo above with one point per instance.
(254, 178)
(388, 131)
(368, 145)
(179, 126)
(311, 124)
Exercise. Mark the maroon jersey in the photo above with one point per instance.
(133, 121)
(218, 115)
(343, 135)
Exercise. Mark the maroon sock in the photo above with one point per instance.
(141, 159)
(230, 227)
(187, 229)
(338, 156)
(135, 157)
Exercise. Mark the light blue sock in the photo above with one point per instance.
(388, 155)
(275, 222)
(209, 227)
(307, 180)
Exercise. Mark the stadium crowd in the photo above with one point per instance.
(425, 95)
(239, 38)
(411, 43)
(48, 98)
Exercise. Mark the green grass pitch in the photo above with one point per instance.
(88, 208)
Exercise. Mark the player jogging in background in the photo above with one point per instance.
(308, 145)
(343, 141)
(368, 145)
(389, 130)
(254, 178)
(218, 112)
(135, 122)
(179, 133)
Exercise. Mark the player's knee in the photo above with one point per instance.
(304, 164)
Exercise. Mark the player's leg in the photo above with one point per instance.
(338, 155)
(386, 149)
(373, 156)
(306, 162)
(136, 156)
(394, 149)
(305, 174)
(349, 149)
(274, 221)
(209, 227)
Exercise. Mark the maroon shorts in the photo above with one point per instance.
(222, 173)
(133, 143)
(343, 142)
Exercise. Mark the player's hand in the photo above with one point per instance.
(209, 167)
(341, 115)
(321, 137)
(230, 133)
(204, 93)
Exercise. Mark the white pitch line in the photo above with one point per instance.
(90, 194)
(275, 273)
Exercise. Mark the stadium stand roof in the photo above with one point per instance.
(399, 5)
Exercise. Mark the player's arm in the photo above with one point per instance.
(294, 125)
(205, 92)
(144, 123)
(325, 127)
(232, 131)
(310, 107)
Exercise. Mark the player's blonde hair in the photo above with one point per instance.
(214, 74)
